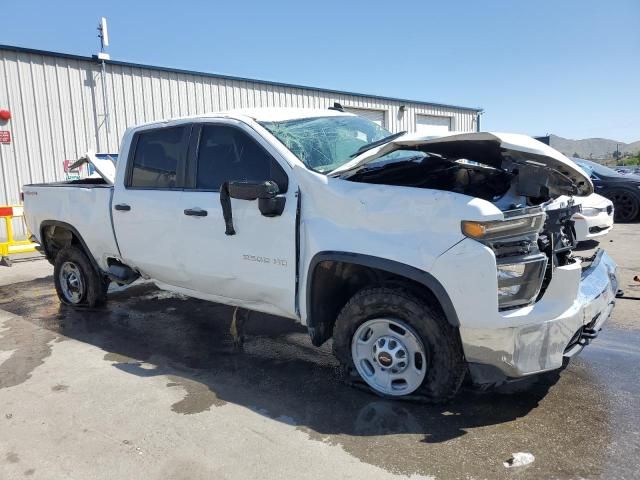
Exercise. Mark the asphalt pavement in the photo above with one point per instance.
(152, 387)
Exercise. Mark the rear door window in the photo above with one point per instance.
(227, 153)
(159, 158)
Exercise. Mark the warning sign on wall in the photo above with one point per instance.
(70, 174)
(5, 136)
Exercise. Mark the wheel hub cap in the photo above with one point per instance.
(71, 282)
(390, 353)
(390, 356)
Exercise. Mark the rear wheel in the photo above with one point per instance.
(626, 205)
(399, 346)
(77, 282)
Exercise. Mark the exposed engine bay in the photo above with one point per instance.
(520, 192)
(435, 172)
(516, 186)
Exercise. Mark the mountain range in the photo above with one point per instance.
(592, 147)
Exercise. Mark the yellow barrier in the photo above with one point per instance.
(12, 246)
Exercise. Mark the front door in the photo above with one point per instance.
(256, 267)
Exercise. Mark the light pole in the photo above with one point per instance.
(618, 153)
(103, 34)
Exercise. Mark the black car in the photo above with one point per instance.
(622, 190)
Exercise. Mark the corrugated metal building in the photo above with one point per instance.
(61, 108)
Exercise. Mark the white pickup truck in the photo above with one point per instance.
(424, 259)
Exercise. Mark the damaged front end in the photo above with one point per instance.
(529, 244)
(520, 176)
(542, 305)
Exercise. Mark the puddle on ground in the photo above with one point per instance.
(29, 346)
(280, 375)
(117, 358)
(199, 397)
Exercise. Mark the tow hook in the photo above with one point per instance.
(589, 334)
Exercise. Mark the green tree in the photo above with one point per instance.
(635, 160)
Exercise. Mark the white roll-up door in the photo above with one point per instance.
(376, 116)
(432, 124)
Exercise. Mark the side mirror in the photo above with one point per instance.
(253, 190)
(270, 203)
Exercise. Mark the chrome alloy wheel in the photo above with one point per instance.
(389, 356)
(71, 282)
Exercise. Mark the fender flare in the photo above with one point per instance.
(56, 223)
(391, 266)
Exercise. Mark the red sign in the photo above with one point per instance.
(5, 136)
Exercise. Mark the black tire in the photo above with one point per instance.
(446, 367)
(625, 203)
(94, 285)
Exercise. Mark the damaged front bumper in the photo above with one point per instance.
(539, 337)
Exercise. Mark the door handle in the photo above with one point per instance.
(123, 207)
(195, 212)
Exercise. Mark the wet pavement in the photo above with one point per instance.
(166, 367)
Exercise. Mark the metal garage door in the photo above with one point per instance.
(432, 125)
(376, 116)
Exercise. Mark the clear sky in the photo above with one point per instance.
(569, 67)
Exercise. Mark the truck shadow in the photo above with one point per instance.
(278, 374)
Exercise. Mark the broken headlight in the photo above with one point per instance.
(519, 282)
(484, 231)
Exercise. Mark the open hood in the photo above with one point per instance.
(105, 167)
(505, 151)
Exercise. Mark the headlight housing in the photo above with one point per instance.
(591, 212)
(486, 231)
(520, 265)
(519, 282)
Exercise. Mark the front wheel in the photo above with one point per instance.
(399, 346)
(77, 282)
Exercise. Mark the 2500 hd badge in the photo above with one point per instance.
(257, 258)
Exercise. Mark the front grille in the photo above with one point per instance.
(514, 248)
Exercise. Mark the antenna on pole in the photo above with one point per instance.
(103, 35)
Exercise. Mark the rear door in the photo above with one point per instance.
(255, 267)
(146, 206)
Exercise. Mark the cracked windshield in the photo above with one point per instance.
(326, 143)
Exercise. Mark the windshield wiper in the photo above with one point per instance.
(377, 143)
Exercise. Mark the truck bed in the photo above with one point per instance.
(84, 205)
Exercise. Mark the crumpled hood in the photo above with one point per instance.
(499, 150)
